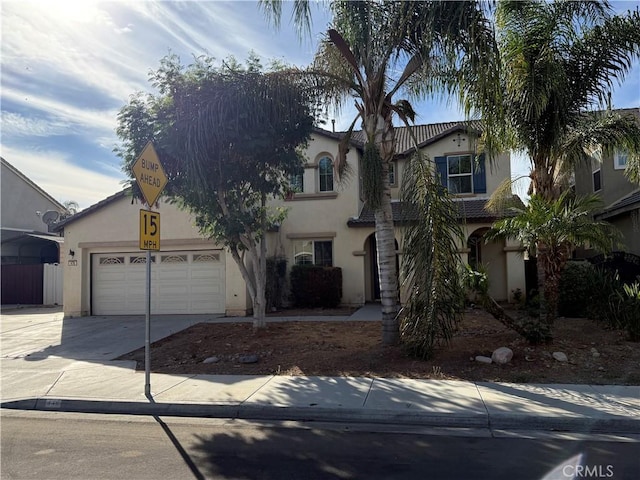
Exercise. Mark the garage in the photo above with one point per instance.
(182, 282)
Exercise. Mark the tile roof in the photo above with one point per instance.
(425, 134)
(621, 206)
(473, 210)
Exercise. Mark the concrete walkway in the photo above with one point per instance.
(39, 371)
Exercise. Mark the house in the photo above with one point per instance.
(27, 245)
(327, 224)
(621, 197)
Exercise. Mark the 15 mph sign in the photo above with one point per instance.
(149, 174)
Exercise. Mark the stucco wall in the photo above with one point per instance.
(114, 228)
(20, 202)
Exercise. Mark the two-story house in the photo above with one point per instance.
(327, 224)
(27, 245)
(605, 176)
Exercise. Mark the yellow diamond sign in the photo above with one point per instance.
(149, 174)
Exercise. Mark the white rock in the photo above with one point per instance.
(211, 360)
(502, 355)
(595, 353)
(561, 357)
(482, 359)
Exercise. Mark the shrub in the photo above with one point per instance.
(475, 282)
(624, 309)
(276, 274)
(314, 286)
(574, 289)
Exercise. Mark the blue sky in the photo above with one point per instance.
(68, 66)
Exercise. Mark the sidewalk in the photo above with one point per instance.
(56, 383)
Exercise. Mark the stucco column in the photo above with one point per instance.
(515, 268)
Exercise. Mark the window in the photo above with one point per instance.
(325, 170)
(597, 180)
(392, 173)
(620, 159)
(460, 174)
(313, 252)
(296, 182)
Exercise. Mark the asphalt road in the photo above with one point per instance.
(38, 445)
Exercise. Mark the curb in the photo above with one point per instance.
(333, 415)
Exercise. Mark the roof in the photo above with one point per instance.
(89, 210)
(630, 202)
(424, 134)
(472, 210)
(29, 182)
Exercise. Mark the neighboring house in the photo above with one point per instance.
(27, 212)
(621, 197)
(327, 224)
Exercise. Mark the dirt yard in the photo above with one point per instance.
(595, 354)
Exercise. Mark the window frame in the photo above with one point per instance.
(593, 179)
(326, 175)
(460, 175)
(393, 177)
(313, 252)
(617, 156)
(293, 183)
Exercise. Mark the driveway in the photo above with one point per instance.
(34, 334)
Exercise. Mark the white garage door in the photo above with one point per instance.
(181, 282)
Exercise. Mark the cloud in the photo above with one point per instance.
(62, 113)
(53, 172)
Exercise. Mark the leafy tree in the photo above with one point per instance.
(555, 228)
(229, 139)
(559, 63)
(560, 60)
(374, 51)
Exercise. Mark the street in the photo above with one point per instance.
(42, 445)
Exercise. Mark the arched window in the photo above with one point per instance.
(325, 170)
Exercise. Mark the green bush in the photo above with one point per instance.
(602, 287)
(314, 286)
(575, 284)
(624, 310)
(276, 275)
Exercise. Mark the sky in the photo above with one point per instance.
(68, 66)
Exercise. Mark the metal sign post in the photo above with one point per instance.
(151, 179)
(147, 331)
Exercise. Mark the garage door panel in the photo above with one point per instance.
(181, 282)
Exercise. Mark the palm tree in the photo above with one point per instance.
(560, 60)
(374, 50)
(557, 226)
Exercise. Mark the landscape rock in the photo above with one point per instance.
(248, 359)
(595, 353)
(482, 359)
(502, 355)
(560, 356)
(211, 360)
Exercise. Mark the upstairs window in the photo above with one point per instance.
(597, 180)
(459, 174)
(462, 174)
(296, 182)
(620, 159)
(325, 172)
(392, 174)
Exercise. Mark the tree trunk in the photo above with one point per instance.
(386, 260)
(384, 135)
(260, 266)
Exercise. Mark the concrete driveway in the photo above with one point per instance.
(34, 334)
